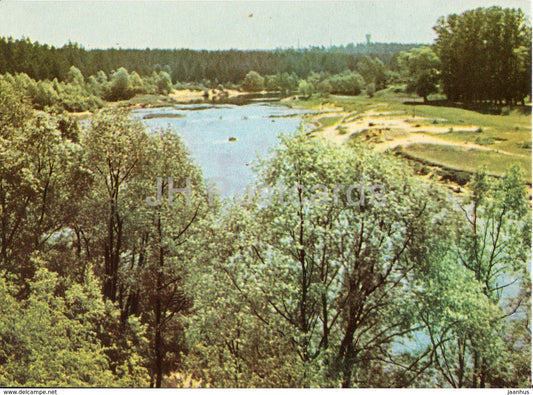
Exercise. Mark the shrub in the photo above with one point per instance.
(253, 82)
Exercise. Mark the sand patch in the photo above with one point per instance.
(388, 130)
(189, 95)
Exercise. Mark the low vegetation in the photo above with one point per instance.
(468, 159)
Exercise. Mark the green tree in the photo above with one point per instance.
(347, 83)
(253, 82)
(420, 68)
(470, 338)
(137, 83)
(170, 231)
(373, 71)
(52, 340)
(39, 182)
(145, 250)
(319, 294)
(494, 46)
(305, 89)
(371, 89)
(164, 83)
(495, 245)
(115, 155)
(324, 88)
(74, 76)
(43, 95)
(120, 85)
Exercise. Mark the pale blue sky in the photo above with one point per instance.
(225, 24)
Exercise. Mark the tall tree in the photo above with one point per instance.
(143, 244)
(320, 268)
(484, 53)
(420, 67)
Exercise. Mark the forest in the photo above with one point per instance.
(420, 287)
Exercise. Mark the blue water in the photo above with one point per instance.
(206, 131)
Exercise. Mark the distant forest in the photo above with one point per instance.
(41, 61)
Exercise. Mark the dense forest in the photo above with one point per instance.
(408, 287)
(42, 62)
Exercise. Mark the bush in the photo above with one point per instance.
(253, 82)
(324, 88)
(484, 140)
(121, 88)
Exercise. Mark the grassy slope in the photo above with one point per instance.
(468, 159)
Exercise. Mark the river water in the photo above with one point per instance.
(226, 140)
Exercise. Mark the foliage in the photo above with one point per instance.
(253, 82)
(495, 55)
(420, 67)
(41, 62)
(52, 340)
(347, 83)
(342, 269)
(312, 283)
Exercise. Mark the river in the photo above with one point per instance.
(226, 140)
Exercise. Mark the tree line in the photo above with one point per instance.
(98, 288)
(482, 55)
(40, 61)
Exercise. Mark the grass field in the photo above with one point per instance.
(329, 121)
(470, 138)
(467, 159)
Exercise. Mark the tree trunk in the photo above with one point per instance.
(158, 341)
(158, 348)
(346, 356)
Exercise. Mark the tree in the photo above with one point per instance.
(137, 83)
(74, 76)
(469, 338)
(420, 68)
(43, 95)
(494, 47)
(144, 247)
(321, 293)
(495, 247)
(51, 339)
(305, 89)
(169, 232)
(324, 88)
(39, 182)
(371, 89)
(253, 82)
(373, 72)
(120, 85)
(347, 83)
(115, 155)
(164, 83)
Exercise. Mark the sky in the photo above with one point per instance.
(230, 24)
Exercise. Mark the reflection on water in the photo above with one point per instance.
(226, 140)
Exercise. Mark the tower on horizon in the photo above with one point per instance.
(368, 37)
